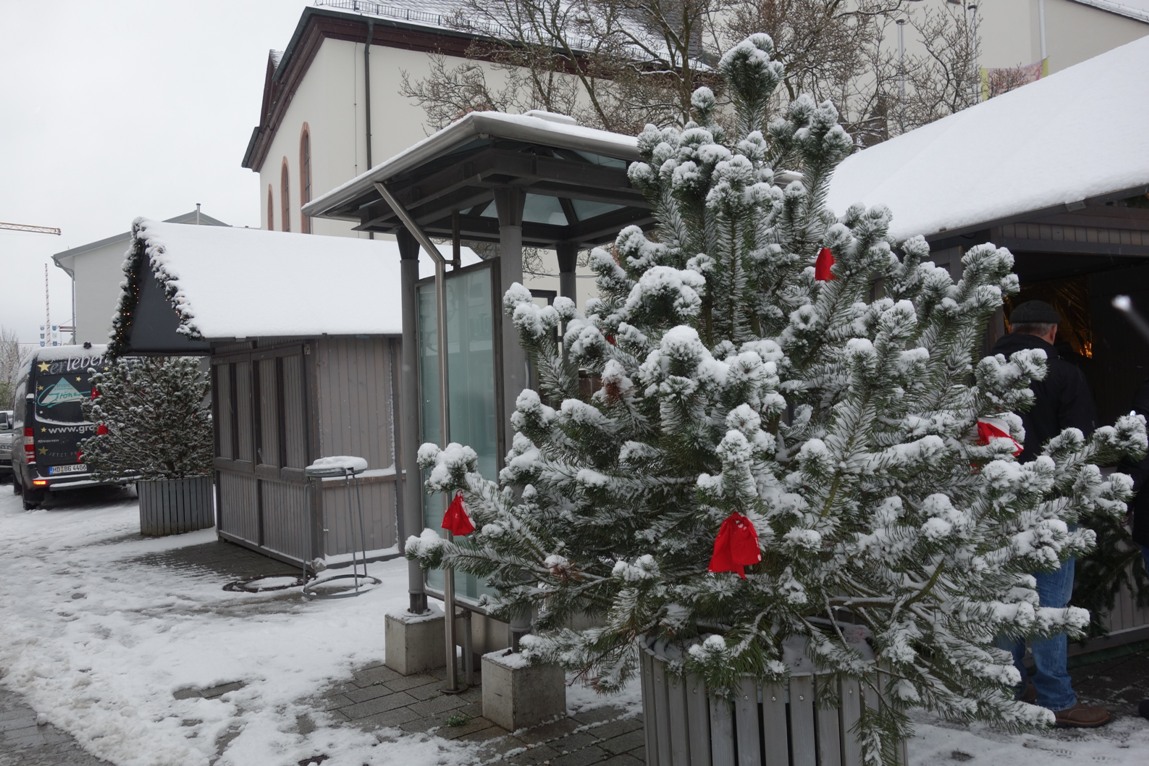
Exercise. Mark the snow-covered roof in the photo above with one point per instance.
(1134, 9)
(456, 15)
(554, 130)
(434, 13)
(63, 259)
(1078, 134)
(226, 282)
(51, 353)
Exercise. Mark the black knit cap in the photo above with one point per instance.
(1034, 312)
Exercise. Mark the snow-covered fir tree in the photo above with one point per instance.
(153, 420)
(768, 369)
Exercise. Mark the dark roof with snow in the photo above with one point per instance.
(574, 178)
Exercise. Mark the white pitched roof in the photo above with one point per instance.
(1077, 134)
(227, 282)
(1134, 9)
(536, 125)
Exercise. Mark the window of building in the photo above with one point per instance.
(304, 177)
(285, 198)
(270, 209)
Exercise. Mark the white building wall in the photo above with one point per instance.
(98, 275)
(331, 100)
(1011, 32)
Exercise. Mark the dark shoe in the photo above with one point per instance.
(1029, 695)
(1081, 717)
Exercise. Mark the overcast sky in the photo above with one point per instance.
(113, 109)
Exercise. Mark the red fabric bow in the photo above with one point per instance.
(823, 265)
(101, 429)
(987, 429)
(456, 520)
(736, 546)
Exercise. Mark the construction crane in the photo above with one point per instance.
(27, 227)
(38, 230)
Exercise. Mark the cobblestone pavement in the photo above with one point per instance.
(378, 698)
(24, 742)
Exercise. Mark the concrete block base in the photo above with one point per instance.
(415, 642)
(517, 695)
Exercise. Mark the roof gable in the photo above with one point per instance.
(286, 70)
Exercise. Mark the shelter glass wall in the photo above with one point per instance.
(472, 384)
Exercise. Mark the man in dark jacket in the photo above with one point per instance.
(1061, 400)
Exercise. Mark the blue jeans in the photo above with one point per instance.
(1050, 655)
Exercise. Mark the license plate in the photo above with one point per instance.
(74, 468)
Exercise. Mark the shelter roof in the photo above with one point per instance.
(1074, 139)
(574, 178)
(224, 283)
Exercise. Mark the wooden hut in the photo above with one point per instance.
(1056, 171)
(302, 333)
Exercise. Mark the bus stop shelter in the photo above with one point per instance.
(514, 181)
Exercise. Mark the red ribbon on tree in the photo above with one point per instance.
(988, 428)
(456, 520)
(101, 429)
(736, 546)
(823, 265)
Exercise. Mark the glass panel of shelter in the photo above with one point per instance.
(473, 389)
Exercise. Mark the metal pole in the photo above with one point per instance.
(408, 385)
(971, 32)
(444, 419)
(902, 75)
(444, 426)
(1041, 31)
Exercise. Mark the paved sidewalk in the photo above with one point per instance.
(379, 700)
(24, 742)
(380, 697)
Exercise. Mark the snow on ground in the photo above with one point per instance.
(99, 644)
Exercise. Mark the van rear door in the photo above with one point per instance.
(59, 421)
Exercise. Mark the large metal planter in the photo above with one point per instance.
(763, 725)
(175, 506)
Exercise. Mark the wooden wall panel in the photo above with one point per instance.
(287, 530)
(244, 414)
(238, 513)
(354, 407)
(295, 413)
(341, 518)
(224, 411)
(269, 417)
